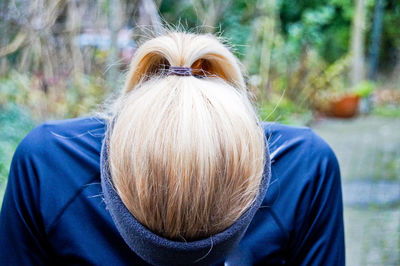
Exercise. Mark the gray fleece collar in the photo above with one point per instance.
(157, 250)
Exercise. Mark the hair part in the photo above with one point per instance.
(186, 154)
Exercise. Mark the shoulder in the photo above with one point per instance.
(57, 159)
(45, 134)
(305, 194)
(297, 141)
(301, 164)
(55, 147)
(50, 140)
(304, 188)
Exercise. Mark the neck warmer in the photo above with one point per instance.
(158, 250)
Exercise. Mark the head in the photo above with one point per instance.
(186, 153)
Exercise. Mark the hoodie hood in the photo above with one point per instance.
(158, 250)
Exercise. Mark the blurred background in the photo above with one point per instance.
(332, 65)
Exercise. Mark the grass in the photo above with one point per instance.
(389, 110)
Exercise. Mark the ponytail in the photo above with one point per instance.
(186, 153)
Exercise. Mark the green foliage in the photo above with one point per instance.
(387, 110)
(365, 88)
(237, 26)
(15, 122)
(322, 25)
(237, 33)
(24, 103)
(281, 109)
(68, 98)
(14, 88)
(390, 45)
(179, 13)
(84, 95)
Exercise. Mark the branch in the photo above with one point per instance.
(15, 44)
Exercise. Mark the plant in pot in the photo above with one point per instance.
(364, 91)
(344, 105)
(339, 101)
(347, 104)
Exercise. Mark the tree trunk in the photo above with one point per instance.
(210, 12)
(114, 26)
(268, 36)
(376, 39)
(357, 43)
(149, 17)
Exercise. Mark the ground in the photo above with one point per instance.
(368, 150)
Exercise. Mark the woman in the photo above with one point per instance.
(175, 173)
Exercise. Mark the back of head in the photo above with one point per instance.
(186, 153)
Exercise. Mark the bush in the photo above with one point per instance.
(15, 122)
(26, 101)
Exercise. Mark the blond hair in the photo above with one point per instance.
(186, 154)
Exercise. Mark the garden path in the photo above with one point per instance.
(368, 150)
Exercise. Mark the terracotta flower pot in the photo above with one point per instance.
(345, 107)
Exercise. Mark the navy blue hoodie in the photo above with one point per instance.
(54, 211)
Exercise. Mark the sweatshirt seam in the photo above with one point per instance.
(66, 206)
(279, 223)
